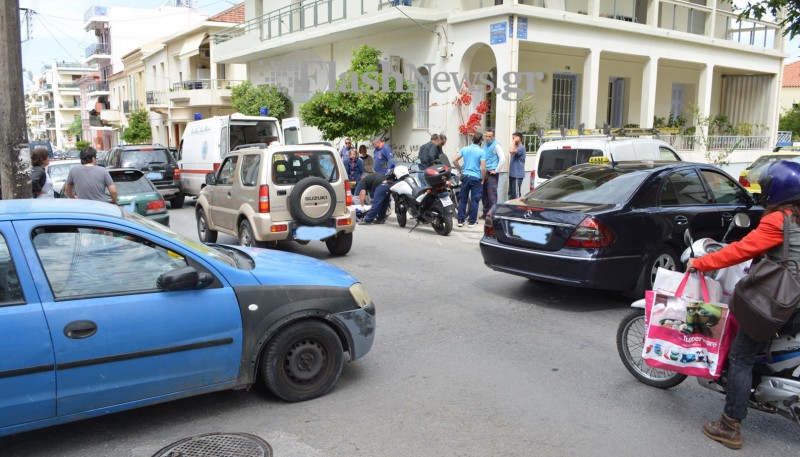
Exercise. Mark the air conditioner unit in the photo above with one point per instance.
(205, 53)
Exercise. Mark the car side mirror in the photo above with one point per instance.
(211, 179)
(186, 278)
(741, 220)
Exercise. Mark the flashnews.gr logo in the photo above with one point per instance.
(303, 74)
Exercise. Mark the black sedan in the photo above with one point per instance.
(610, 226)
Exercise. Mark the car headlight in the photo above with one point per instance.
(360, 295)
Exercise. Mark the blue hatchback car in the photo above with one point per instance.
(103, 310)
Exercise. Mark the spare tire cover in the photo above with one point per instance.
(312, 201)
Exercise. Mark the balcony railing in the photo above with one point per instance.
(678, 15)
(98, 48)
(154, 97)
(47, 87)
(50, 124)
(97, 86)
(69, 85)
(680, 142)
(94, 11)
(49, 104)
(205, 84)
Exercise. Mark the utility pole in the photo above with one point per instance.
(15, 179)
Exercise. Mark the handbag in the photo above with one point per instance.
(687, 335)
(767, 297)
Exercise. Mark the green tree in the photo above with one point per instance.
(81, 144)
(356, 107)
(248, 100)
(76, 128)
(789, 8)
(790, 120)
(138, 130)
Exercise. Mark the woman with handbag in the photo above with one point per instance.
(780, 186)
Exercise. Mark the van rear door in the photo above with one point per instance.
(291, 130)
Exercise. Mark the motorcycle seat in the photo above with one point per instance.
(420, 190)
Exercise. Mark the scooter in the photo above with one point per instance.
(429, 204)
(776, 374)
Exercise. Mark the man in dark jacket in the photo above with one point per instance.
(429, 152)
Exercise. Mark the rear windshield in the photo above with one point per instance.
(140, 158)
(291, 167)
(60, 172)
(601, 185)
(768, 160)
(130, 182)
(554, 161)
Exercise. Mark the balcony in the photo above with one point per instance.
(202, 92)
(69, 86)
(95, 17)
(97, 88)
(47, 88)
(97, 51)
(48, 105)
(155, 97)
(50, 124)
(111, 115)
(70, 105)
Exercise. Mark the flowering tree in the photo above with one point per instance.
(469, 124)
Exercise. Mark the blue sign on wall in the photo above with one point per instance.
(522, 28)
(497, 33)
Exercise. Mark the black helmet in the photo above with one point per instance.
(780, 183)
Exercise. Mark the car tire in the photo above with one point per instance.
(302, 361)
(311, 214)
(177, 202)
(246, 237)
(340, 244)
(630, 342)
(204, 234)
(663, 257)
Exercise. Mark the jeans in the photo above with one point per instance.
(741, 359)
(471, 190)
(380, 203)
(515, 188)
(489, 193)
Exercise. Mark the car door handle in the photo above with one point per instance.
(80, 329)
(681, 220)
(726, 218)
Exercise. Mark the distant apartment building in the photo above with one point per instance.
(54, 102)
(572, 63)
(118, 32)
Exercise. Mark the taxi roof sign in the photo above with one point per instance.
(598, 160)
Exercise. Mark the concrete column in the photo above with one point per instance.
(507, 60)
(652, 13)
(589, 85)
(648, 99)
(704, 89)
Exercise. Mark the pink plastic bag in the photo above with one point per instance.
(686, 335)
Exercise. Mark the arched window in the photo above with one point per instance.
(422, 105)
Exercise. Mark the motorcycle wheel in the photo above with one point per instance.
(442, 222)
(400, 211)
(630, 342)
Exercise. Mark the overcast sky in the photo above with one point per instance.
(57, 29)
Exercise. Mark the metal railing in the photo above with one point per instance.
(97, 85)
(289, 19)
(679, 142)
(198, 84)
(69, 85)
(49, 104)
(47, 87)
(50, 124)
(154, 97)
(98, 48)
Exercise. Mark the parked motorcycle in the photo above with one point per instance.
(428, 204)
(776, 374)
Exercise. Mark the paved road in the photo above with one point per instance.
(466, 362)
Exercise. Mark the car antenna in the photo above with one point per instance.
(613, 162)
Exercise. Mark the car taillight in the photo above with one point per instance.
(533, 178)
(590, 234)
(348, 195)
(488, 228)
(216, 166)
(176, 174)
(743, 181)
(156, 206)
(263, 199)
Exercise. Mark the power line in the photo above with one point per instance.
(59, 42)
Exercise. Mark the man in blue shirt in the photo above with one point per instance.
(472, 177)
(345, 151)
(495, 161)
(516, 169)
(383, 156)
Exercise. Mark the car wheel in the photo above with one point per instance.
(312, 201)
(204, 234)
(630, 345)
(303, 361)
(339, 244)
(246, 237)
(664, 257)
(177, 202)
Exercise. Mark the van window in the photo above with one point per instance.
(253, 132)
(668, 154)
(554, 161)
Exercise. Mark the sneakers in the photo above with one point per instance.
(725, 430)
(472, 224)
(460, 223)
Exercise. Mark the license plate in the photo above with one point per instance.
(155, 175)
(446, 201)
(313, 233)
(531, 233)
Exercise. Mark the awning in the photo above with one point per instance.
(92, 103)
(191, 46)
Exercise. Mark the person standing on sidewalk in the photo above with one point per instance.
(473, 176)
(516, 167)
(40, 179)
(495, 161)
(383, 156)
(89, 181)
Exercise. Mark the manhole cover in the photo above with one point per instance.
(218, 445)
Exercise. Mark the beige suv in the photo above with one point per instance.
(263, 196)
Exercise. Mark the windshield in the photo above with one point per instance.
(131, 182)
(60, 172)
(600, 186)
(196, 245)
(143, 158)
(554, 161)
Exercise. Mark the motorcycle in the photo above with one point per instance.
(776, 373)
(429, 204)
